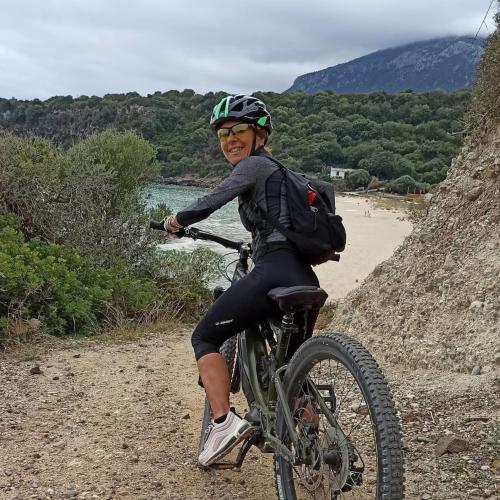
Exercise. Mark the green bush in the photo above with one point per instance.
(89, 197)
(358, 178)
(183, 279)
(66, 292)
(407, 184)
(69, 294)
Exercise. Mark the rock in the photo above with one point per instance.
(475, 492)
(76, 355)
(59, 445)
(35, 370)
(360, 409)
(476, 370)
(426, 496)
(477, 418)
(186, 416)
(476, 305)
(423, 439)
(450, 444)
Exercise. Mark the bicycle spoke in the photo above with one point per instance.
(354, 436)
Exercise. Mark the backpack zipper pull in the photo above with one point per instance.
(314, 210)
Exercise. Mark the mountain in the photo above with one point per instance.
(440, 64)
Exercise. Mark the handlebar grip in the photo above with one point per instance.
(157, 225)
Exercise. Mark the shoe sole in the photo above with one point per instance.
(231, 443)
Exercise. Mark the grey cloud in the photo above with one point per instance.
(94, 47)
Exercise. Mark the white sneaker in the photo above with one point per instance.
(223, 437)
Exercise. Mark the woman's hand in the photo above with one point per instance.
(171, 225)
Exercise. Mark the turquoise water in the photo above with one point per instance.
(224, 222)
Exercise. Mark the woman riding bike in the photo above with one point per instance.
(243, 125)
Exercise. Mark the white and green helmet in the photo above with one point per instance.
(241, 108)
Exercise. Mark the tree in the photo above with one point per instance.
(358, 178)
(403, 185)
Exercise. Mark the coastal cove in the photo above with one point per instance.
(373, 234)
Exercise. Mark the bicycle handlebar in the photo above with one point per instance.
(199, 234)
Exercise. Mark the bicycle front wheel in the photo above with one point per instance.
(353, 435)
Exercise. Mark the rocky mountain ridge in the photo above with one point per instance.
(441, 64)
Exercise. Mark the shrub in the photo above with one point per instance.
(358, 178)
(403, 185)
(89, 197)
(182, 279)
(66, 292)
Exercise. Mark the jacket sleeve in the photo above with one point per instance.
(241, 179)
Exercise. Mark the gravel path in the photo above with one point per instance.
(122, 421)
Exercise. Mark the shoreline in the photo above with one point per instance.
(373, 234)
(376, 225)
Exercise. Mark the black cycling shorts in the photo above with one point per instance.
(245, 302)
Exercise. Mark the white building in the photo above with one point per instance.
(339, 173)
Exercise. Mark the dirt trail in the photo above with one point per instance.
(122, 422)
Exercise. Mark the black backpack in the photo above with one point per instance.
(316, 232)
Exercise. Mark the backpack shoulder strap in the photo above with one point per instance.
(274, 222)
(276, 162)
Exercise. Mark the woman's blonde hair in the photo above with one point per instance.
(265, 135)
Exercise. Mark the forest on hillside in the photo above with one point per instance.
(388, 135)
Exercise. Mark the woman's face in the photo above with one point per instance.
(237, 146)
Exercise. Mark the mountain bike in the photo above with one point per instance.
(326, 414)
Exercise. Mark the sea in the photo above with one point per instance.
(223, 222)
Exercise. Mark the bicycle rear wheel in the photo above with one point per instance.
(355, 445)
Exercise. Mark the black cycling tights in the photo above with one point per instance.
(246, 301)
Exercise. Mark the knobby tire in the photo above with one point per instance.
(380, 424)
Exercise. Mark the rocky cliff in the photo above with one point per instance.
(436, 302)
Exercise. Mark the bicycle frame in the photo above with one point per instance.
(252, 345)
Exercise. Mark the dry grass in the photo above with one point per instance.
(412, 207)
(39, 345)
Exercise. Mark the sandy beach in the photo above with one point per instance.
(372, 236)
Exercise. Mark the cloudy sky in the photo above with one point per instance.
(94, 47)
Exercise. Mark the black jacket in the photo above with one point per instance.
(257, 181)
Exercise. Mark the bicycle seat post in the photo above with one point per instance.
(289, 329)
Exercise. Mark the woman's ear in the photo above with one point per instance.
(261, 136)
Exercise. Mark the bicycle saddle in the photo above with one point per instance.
(297, 297)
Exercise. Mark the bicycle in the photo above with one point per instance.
(326, 414)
